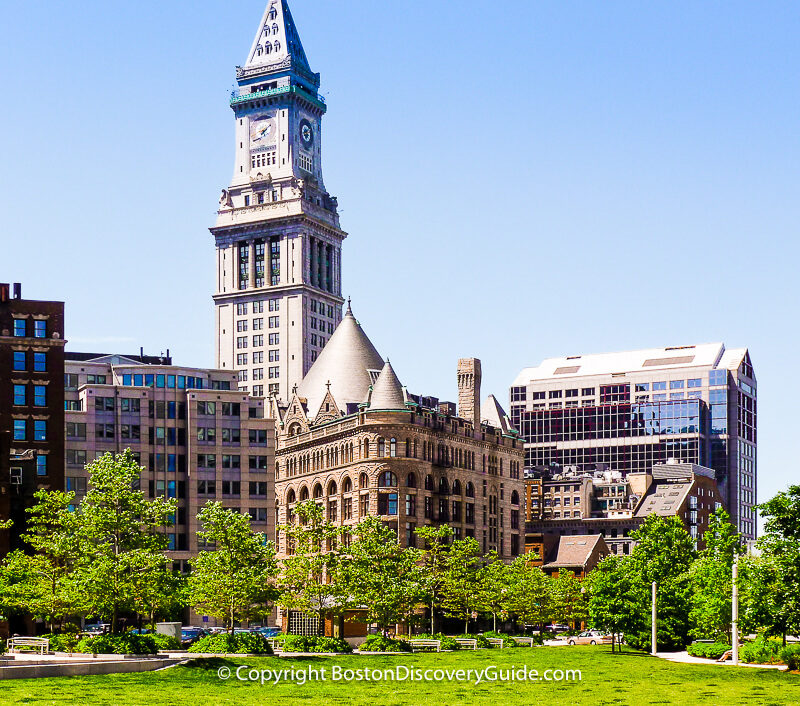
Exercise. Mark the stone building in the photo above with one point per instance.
(196, 435)
(31, 406)
(354, 440)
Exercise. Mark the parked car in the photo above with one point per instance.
(557, 627)
(590, 637)
(190, 635)
(97, 628)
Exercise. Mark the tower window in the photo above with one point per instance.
(306, 162)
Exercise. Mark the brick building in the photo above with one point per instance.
(31, 406)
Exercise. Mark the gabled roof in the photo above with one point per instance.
(664, 498)
(345, 362)
(277, 39)
(575, 551)
(387, 392)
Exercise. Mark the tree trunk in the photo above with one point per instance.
(494, 622)
(466, 626)
(432, 625)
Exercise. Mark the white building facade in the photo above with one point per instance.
(278, 241)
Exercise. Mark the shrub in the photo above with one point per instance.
(483, 643)
(65, 642)
(379, 643)
(709, 650)
(119, 644)
(303, 643)
(507, 640)
(167, 642)
(762, 650)
(790, 655)
(238, 643)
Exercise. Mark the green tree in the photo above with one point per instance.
(528, 594)
(43, 583)
(664, 553)
(313, 553)
(437, 541)
(378, 574)
(781, 545)
(616, 598)
(461, 594)
(236, 579)
(711, 578)
(126, 533)
(494, 579)
(568, 602)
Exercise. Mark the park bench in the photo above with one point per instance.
(496, 642)
(40, 644)
(275, 643)
(524, 640)
(426, 644)
(469, 642)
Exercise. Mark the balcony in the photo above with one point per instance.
(244, 95)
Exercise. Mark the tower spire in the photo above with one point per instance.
(277, 40)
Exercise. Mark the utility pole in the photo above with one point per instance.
(653, 641)
(735, 613)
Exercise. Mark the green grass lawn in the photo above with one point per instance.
(630, 678)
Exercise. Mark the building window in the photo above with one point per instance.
(676, 384)
(274, 372)
(694, 382)
(19, 395)
(41, 465)
(274, 339)
(40, 329)
(20, 430)
(258, 323)
(19, 360)
(40, 430)
(241, 342)
(241, 309)
(258, 341)
(716, 378)
(19, 328)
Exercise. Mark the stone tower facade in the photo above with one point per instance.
(278, 241)
(469, 390)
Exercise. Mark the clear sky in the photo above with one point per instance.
(519, 180)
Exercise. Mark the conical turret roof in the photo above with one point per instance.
(387, 392)
(345, 363)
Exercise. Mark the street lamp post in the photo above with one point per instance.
(653, 641)
(735, 613)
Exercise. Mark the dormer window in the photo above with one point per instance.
(267, 48)
(273, 13)
(277, 46)
(274, 29)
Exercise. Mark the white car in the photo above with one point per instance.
(590, 637)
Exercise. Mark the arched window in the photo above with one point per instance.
(332, 488)
(277, 45)
(267, 48)
(347, 485)
(290, 496)
(456, 487)
(393, 448)
(363, 481)
(275, 28)
(273, 13)
(303, 493)
(387, 479)
(317, 491)
(411, 481)
(470, 490)
(408, 448)
(381, 448)
(259, 50)
(444, 487)
(514, 497)
(429, 482)
(366, 448)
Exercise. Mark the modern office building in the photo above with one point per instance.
(196, 435)
(31, 406)
(628, 411)
(278, 241)
(354, 440)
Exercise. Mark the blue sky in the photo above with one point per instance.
(519, 180)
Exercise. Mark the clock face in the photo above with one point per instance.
(262, 130)
(306, 134)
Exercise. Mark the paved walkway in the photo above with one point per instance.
(686, 658)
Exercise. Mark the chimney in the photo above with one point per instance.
(4, 292)
(17, 290)
(469, 391)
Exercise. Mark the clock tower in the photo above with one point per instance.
(278, 241)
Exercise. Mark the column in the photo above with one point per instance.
(251, 264)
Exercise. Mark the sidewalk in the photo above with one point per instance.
(685, 658)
